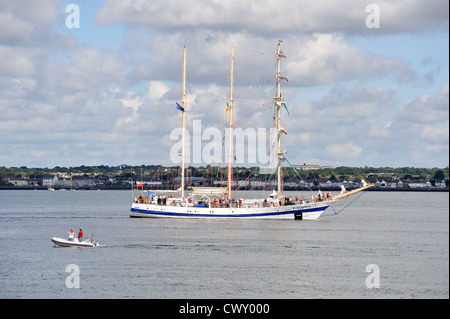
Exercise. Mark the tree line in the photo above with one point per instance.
(337, 173)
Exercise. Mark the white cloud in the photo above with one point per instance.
(344, 151)
(312, 59)
(428, 108)
(269, 17)
(16, 62)
(156, 90)
(434, 135)
(326, 58)
(132, 101)
(25, 23)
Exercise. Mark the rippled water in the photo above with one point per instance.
(405, 234)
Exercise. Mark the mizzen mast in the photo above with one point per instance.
(279, 101)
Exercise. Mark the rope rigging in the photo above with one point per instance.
(335, 213)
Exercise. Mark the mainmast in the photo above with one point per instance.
(183, 104)
(279, 100)
(230, 138)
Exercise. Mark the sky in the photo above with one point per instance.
(368, 80)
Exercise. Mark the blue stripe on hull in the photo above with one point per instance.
(171, 214)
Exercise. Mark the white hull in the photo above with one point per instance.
(298, 211)
(75, 243)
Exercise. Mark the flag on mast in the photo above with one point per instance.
(180, 107)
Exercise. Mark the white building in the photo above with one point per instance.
(19, 182)
(50, 180)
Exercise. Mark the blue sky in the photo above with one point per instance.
(105, 93)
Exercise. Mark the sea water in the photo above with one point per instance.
(384, 245)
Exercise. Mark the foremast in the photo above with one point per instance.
(279, 101)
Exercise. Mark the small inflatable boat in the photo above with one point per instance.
(74, 243)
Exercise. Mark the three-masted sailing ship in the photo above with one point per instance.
(217, 202)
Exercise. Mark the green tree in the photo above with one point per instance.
(439, 175)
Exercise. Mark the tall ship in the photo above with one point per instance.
(218, 202)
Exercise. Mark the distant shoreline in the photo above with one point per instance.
(328, 189)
